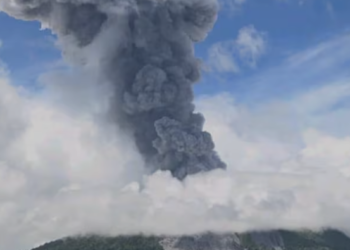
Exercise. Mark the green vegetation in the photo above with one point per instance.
(104, 243)
(293, 240)
(303, 240)
(248, 243)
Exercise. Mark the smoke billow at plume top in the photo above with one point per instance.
(152, 70)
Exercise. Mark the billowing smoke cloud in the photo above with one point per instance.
(151, 65)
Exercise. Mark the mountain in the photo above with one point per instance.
(273, 240)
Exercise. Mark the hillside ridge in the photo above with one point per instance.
(270, 240)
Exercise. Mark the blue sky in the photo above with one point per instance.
(286, 27)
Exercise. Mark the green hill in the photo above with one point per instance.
(274, 240)
(104, 243)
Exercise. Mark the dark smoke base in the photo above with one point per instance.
(155, 68)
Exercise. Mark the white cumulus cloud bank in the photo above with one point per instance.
(65, 170)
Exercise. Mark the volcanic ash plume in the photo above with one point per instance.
(151, 65)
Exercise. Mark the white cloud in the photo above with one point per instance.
(249, 46)
(221, 58)
(324, 54)
(48, 150)
(312, 67)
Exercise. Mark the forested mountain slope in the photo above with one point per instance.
(277, 240)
